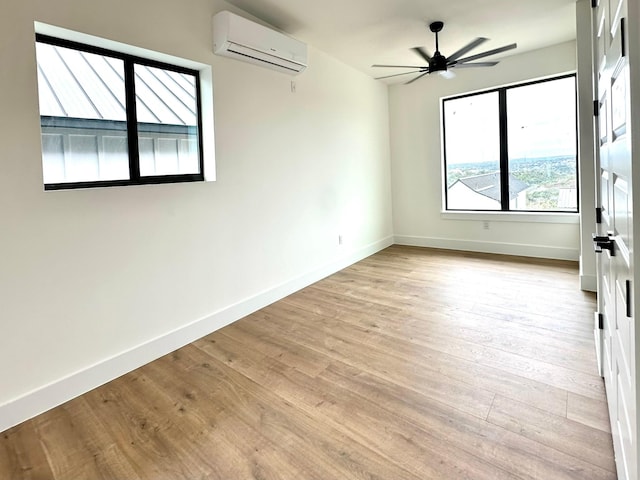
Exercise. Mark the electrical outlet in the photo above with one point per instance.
(339, 239)
(293, 86)
(485, 225)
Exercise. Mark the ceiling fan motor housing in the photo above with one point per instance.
(438, 63)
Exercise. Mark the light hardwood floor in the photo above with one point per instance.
(412, 364)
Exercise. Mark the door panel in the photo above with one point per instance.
(605, 201)
(615, 194)
(609, 316)
(602, 34)
(622, 217)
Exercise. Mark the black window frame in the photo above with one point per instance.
(504, 148)
(131, 118)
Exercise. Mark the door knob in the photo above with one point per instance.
(601, 242)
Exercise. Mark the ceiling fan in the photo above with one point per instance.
(441, 64)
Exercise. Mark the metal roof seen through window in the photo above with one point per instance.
(77, 84)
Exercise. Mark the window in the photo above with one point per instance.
(512, 148)
(110, 119)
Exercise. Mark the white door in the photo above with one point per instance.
(615, 260)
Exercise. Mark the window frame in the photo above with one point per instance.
(504, 150)
(129, 61)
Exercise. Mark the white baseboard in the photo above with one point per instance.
(588, 283)
(538, 251)
(64, 389)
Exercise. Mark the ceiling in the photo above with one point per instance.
(365, 32)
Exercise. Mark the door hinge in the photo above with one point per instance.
(594, 3)
(596, 108)
(598, 214)
(629, 297)
(600, 321)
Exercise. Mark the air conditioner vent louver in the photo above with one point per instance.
(255, 55)
(242, 39)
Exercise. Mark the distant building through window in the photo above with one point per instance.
(112, 119)
(512, 148)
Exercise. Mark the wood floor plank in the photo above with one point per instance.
(467, 433)
(71, 433)
(533, 368)
(423, 357)
(275, 411)
(152, 439)
(411, 364)
(593, 413)
(245, 432)
(364, 421)
(417, 329)
(22, 455)
(512, 452)
(562, 434)
(341, 296)
(472, 399)
(290, 353)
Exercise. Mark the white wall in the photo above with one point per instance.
(417, 166)
(96, 282)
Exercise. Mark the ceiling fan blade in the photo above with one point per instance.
(422, 52)
(400, 66)
(398, 74)
(467, 48)
(487, 53)
(417, 78)
(477, 64)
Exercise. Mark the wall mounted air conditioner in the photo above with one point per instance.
(242, 39)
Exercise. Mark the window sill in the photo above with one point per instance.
(514, 217)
